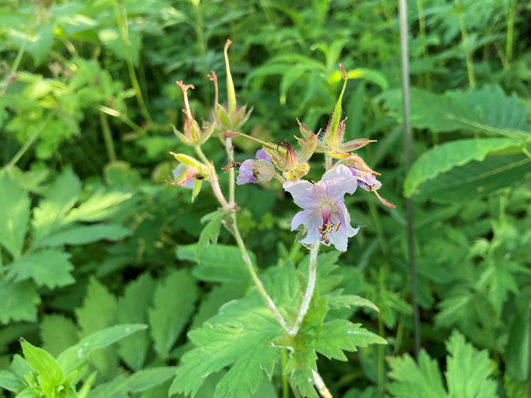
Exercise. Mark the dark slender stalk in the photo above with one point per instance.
(407, 152)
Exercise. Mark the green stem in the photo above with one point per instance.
(230, 154)
(122, 24)
(381, 354)
(464, 35)
(285, 385)
(422, 32)
(312, 277)
(28, 143)
(213, 179)
(13, 71)
(258, 283)
(107, 137)
(510, 32)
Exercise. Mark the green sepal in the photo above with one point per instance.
(181, 136)
(332, 139)
(197, 188)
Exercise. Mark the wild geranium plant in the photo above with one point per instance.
(280, 326)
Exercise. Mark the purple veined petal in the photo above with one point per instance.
(261, 154)
(246, 174)
(365, 179)
(303, 193)
(312, 220)
(339, 181)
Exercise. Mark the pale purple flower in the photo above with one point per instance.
(325, 215)
(253, 170)
(184, 176)
(366, 180)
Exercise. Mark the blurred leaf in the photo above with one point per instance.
(14, 215)
(140, 381)
(100, 205)
(57, 333)
(18, 301)
(60, 198)
(133, 307)
(74, 357)
(486, 110)
(173, 305)
(86, 234)
(49, 268)
(475, 179)
(99, 311)
(210, 232)
(217, 263)
(443, 158)
(518, 350)
(410, 379)
(11, 382)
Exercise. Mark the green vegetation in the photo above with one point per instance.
(115, 282)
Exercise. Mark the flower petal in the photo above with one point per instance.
(246, 174)
(261, 154)
(339, 181)
(311, 219)
(303, 193)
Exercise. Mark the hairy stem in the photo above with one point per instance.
(213, 179)
(258, 283)
(230, 154)
(321, 386)
(312, 276)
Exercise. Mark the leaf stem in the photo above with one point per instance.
(28, 142)
(312, 276)
(107, 137)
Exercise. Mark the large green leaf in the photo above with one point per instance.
(99, 311)
(518, 351)
(468, 371)
(86, 234)
(75, 356)
(412, 380)
(486, 110)
(217, 263)
(475, 179)
(60, 198)
(240, 336)
(14, 215)
(133, 307)
(173, 305)
(443, 158)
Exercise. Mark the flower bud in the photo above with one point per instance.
(193, 134)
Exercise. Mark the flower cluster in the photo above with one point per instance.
(324, 216)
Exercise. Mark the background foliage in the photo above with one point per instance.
(91, 237)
